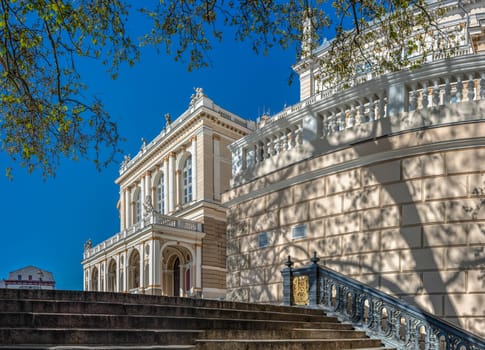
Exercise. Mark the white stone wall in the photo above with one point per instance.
(403, 214)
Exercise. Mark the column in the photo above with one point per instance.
(165, 185)
(117, 274)
(171, 184)
(125, 271)
(178, 200)
(198, 267)
(217, 167)
(127, 207)
(87, 276)
(122, 210)
(148, 187)
(105, 274)
(194, 168)
(142, 199)
(148, 193)
(141, 249)
(154, 274)
(98, 282)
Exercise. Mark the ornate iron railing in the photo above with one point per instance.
(396, 322)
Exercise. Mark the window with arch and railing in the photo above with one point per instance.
(161, 195)
(187, 181)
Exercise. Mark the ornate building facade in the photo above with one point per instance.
(172, 238)
(29, 277)
(382, 176)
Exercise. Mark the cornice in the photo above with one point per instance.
(201, 114)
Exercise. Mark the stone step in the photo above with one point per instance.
(38, 306)
(286, 344)
(95, 347)
(101, 336)
(311, 333)
(78, 320)
(126, 298)
(53, 320)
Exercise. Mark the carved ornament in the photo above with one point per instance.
(301, 290)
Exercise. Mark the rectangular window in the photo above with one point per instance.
(299, 232)
(263, 240)
(19, 277)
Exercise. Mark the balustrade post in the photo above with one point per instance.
(333, 123)
(266, 144)
(324, 121)
(424, 101)
(459, 90)
(313, 277)
(362, 118)
(257, 153)
(471, 88)
(351, 121)
(447, 96)
(413, 105)
(482, 87)
(372, 112)
(237, 161)
(436, 93)
(341, 120)
(283, 141)
(287, 279)
(274, 145)
(299, 135)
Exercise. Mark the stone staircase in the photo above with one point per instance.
(37, 319)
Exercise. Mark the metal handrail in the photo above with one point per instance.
(396, 322)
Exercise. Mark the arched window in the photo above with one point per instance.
(187, 180)
(137, 207)
(112, 276)
(161, 195)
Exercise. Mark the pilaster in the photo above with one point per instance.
(198, 268)
(142, 198)
(125, 272)
(194, 167)
(171, 182)
(142, 265)
(154, 274)
(116, 286)
(127, 207)
(178, 190)
(166, 185)
(216, 139)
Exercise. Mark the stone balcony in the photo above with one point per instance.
(441, 92)
(151, 220)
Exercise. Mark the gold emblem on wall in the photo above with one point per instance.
(301, 290)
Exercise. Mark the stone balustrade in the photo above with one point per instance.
(389, 104)
(151, 219)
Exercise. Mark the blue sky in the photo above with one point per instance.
(46, 222)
